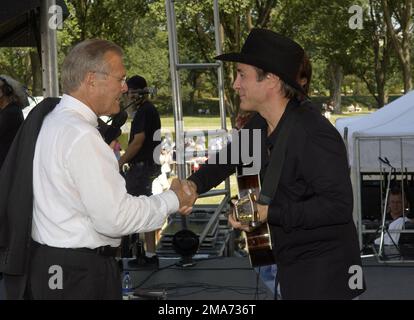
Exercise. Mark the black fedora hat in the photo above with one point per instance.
(271, 52)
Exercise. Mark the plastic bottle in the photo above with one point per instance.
(127, 290)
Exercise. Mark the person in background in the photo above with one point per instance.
(397, 212)
(12, 100)
(140, 154)
(111, 132)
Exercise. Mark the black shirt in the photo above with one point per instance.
(146, 120)
(11, 117)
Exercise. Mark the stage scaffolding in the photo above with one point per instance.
(370, 177)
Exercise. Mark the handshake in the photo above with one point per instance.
(186, 192)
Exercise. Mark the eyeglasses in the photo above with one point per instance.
(122, 80)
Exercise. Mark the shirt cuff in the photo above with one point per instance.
(171, 201)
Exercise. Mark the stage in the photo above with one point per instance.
(221, 278)
(231, 278)
(392, 281)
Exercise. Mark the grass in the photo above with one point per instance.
(218, 199)
(334, 117)
(194, 123)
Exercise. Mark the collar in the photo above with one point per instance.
(271, 139)
(79, 107)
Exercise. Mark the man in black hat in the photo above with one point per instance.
(141, 147)
(310, 210)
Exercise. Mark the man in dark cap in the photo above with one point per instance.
(141, 147)
(306, 196)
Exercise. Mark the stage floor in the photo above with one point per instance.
(222, 278)
(392, 281)
(231, 278)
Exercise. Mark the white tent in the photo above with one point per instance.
(388, 132)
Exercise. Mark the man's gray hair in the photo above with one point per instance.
(86, 56)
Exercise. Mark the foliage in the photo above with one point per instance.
(321, 26)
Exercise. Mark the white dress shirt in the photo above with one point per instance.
(80, 199)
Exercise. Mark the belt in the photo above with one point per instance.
(106, 251)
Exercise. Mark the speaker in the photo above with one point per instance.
(406, 242)
(371, 200)
(185, 243)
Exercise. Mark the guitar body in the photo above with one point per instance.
(258, 241)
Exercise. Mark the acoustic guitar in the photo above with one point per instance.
(258, 240)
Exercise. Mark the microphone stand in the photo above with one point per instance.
(110, 118)
(384, 213)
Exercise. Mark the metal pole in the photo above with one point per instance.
(402, 183)
(358, 189)
(381, 175)
(49, 11)
(178, 110)
(220, 74)
(178, 113)
(384, 213)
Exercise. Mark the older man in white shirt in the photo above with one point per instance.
(81, 207)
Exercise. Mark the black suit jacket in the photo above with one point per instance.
(16, 201)
(310, 217)
(11, 117)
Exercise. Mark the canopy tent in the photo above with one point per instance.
(388, 132)
(20, 23)
(27, 24)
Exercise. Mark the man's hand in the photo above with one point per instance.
(237, 224)
(186, 194)
(262, 212)
(262, 215)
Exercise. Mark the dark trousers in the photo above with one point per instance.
(138, 180)
(73, 274)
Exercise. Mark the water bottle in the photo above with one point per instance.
(127, 290)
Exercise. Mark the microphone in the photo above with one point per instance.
(146, 90)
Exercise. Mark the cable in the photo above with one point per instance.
(210, 269)
(150, 275)
(205, 287)
(173, 264)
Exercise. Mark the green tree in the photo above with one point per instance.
(376, 64)
(401, 12)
